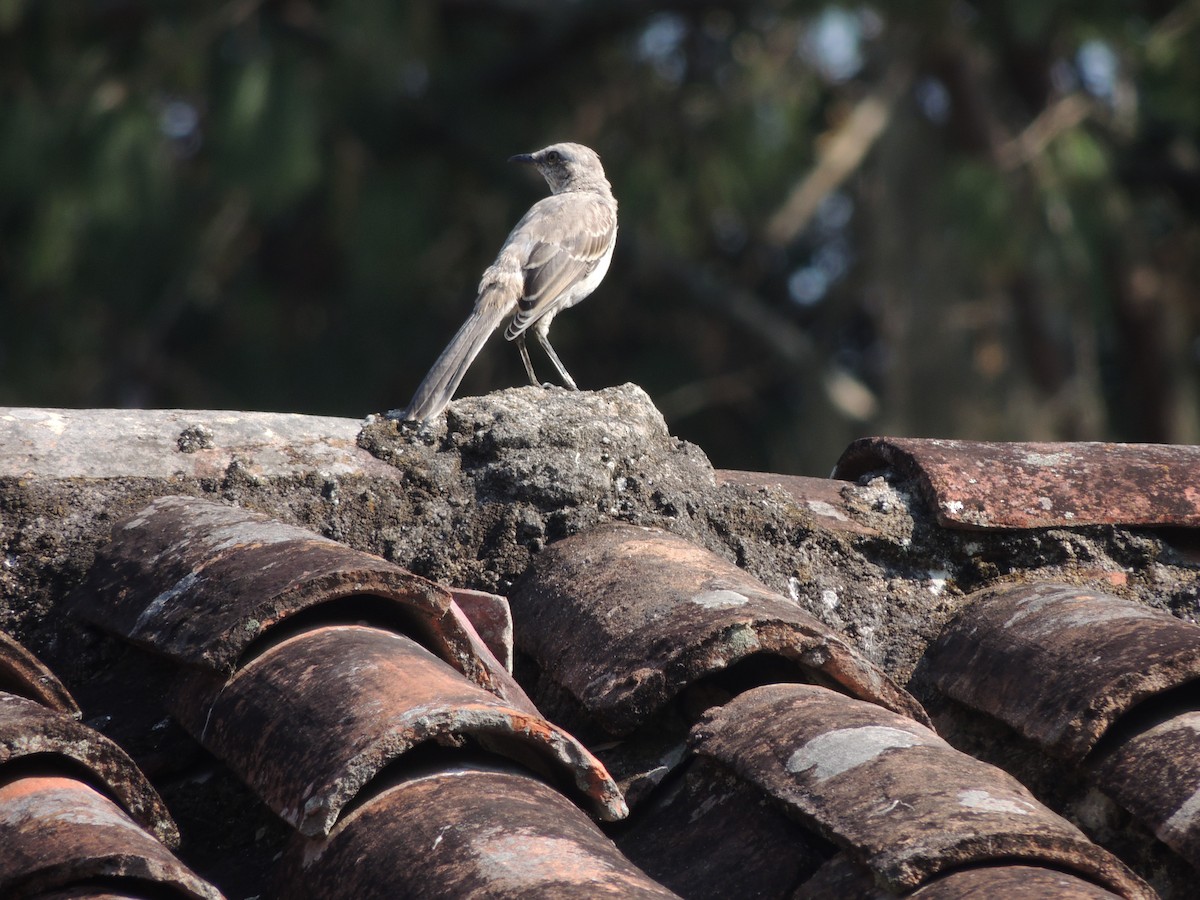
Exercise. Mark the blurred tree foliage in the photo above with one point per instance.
(930, 218)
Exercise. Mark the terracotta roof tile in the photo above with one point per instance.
(623, 618)
(971, 484)
(1060, 663)
(490, 616)
(30, 732)
(1154, 773)
(841, 879)
(25, 675)
(710, 835)
(464, 831)
(821, 498)
(1012, 883)
(199, 582)
(310, 721)
(73, 806)
(57, 832)
(892, 792)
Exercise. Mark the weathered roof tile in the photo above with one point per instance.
(199, 582)
(1012, 883)
(310, 721)
(1155, 774)
(25, 675)
(1060, 663)
(974, 484)
(841, 879)
(464, 831)
(490, 616)
(710, 835)
(57, 833)
(30, 731)
(820, 498)
(893, 793)
(624, 617)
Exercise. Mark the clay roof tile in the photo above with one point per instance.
(978, 484)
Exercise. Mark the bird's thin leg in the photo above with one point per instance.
(525, 359)
(544, 340)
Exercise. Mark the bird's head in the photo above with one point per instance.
(567, 167)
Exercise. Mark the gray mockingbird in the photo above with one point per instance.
(554, 257)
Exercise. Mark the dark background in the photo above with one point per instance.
(938, 219)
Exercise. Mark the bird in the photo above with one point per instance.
(555, 256)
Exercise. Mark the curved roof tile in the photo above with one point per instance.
(978, 484)
(1060, 663)
(893, 793)
(57, 832)
(201, 582)
(28, 730)
(464, 831)
(312, 720)
(624, 617)
(25, 675)
(1155, 774)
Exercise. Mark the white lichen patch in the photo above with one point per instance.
(827, 510)
(155, 607)
(981, 800)
(53, 422)
(839, 751)
(720, 599)
(1048, 460)
(523, 859)
(937, 580)
(1183, 820)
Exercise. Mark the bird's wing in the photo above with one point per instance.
(567, 235)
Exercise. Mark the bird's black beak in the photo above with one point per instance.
(521, 158)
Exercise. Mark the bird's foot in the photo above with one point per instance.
(406, 424)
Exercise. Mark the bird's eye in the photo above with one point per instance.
(553, 156)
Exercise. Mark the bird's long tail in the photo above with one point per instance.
(447, 373)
